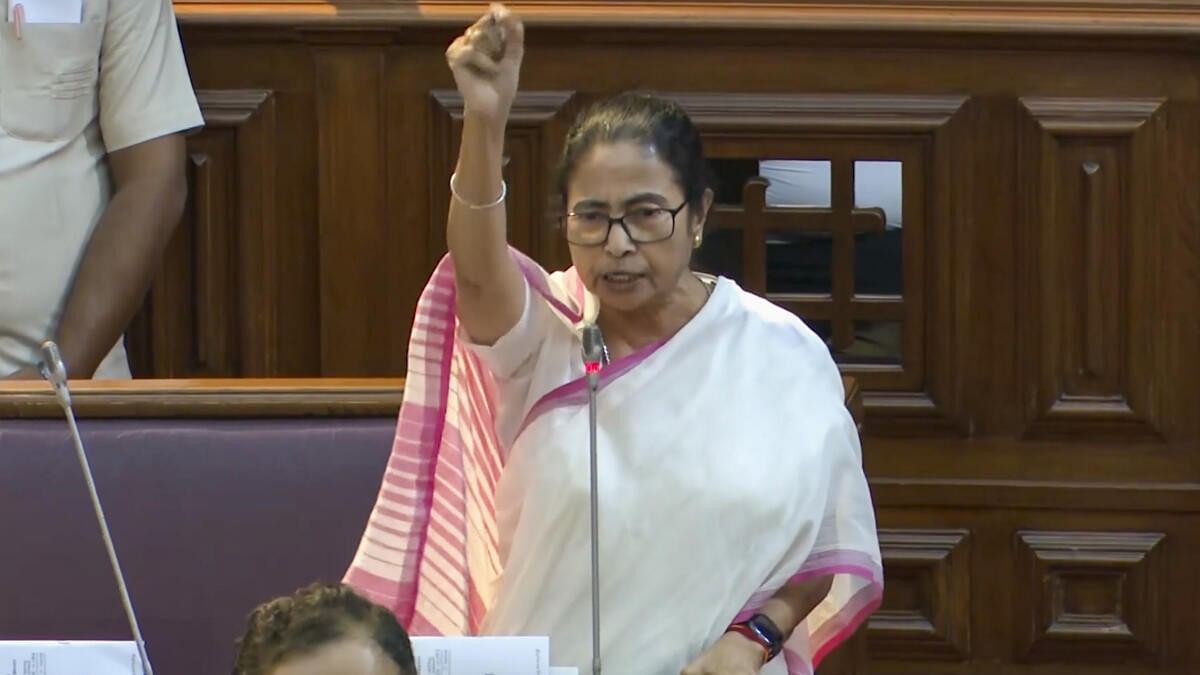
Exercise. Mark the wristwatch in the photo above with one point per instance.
(763, 631)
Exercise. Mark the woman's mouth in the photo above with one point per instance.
(618, 280)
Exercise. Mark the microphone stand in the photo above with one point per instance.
(593, 357)
(55, 372)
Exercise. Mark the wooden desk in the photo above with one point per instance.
(213, 398)
(232, 398)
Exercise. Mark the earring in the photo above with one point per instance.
(699, 239)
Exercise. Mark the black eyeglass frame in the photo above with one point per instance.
(620, 220)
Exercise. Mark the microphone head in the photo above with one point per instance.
(593, 344)
(52, 366)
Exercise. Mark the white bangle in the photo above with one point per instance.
(479, 207)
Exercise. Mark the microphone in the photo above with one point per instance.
(593, 351)
(593, 361)
(54, 371)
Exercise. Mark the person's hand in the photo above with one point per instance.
(486, 62)
(733, 654)
(24, 374)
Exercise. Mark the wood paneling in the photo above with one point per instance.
(212, 398)
(1158, 19)
(1092, 252)
(1034, 447)
(221, 263)
(926, 610)
(1094, 596)
(355, 231)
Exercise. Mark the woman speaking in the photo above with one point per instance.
(737, 534)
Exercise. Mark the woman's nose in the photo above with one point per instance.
(618, 243)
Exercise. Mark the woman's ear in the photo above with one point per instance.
(701, 217)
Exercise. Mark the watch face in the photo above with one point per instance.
(766, 628)
(771, 636)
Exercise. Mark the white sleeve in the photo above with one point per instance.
(513, 355)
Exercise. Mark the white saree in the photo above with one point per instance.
(728, 467)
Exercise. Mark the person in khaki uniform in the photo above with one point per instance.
(92, 176)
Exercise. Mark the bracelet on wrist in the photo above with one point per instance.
(479, 207)
(748, 633)
(761, 630)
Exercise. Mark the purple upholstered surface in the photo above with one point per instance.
(209, 518)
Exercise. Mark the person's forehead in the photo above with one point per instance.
(628, 155)
(618, 173)
(348, 656)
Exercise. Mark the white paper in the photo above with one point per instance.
(481, 655)
(48, 11)
(563, 671)
(47, 657)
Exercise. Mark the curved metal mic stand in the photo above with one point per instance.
(55, 372)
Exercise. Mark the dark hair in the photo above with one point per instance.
(313, 617)
(646, 119)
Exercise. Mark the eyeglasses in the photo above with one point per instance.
(642, 224)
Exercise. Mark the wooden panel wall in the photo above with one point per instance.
(1034, 450)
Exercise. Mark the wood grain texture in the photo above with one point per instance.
(926, 611)
(225, 243)
(225, 397)
(357, 237)
(1095, 596)
(1085, 17)
(1092, 250)
(210, 398)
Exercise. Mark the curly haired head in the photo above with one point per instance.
(284, 630)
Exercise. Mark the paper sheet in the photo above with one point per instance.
(48, 11)
(38, 657)
(482, 655)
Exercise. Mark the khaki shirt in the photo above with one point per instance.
(70, 94)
